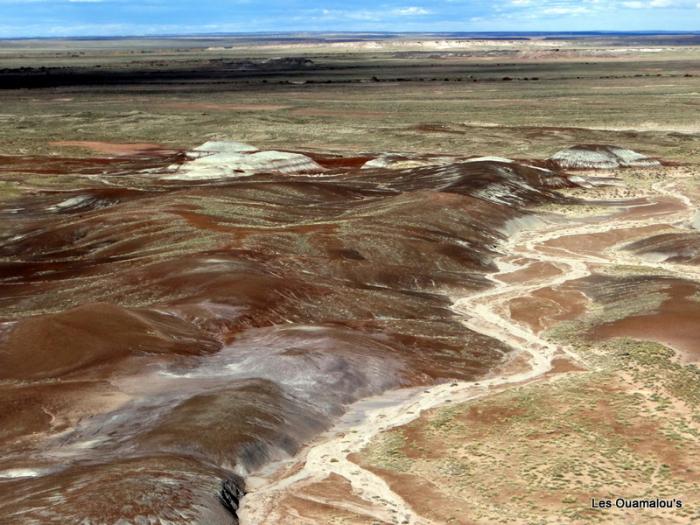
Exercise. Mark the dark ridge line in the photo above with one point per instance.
(230, 494)
(48, 81)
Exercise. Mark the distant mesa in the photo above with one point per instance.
(601, 156)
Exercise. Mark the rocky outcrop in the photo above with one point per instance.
(220, 159)
(232, 490)
(600, 156)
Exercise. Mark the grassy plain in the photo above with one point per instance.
(496, 100)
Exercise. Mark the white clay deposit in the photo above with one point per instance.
(221, 159)
(601, 157)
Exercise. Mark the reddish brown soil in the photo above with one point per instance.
(31, 410)
(536, 270)
(505, 433)
(564, 365)
(113, 148)
(205, 106)
(313, 112)
(56, 165)
(425, 496)
(660, 206)
(548, 306)
(333, 496)
(676, 322)
(91, 335)
(339, 162)
(654, 443)
(436, 128)
(491, 415)
(595, 243)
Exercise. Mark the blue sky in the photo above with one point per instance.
(20, 18)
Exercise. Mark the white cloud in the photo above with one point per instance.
(410, 11)
(371, 15)
(536, 8)
(566, 10)
(359, 14)
(654, 4)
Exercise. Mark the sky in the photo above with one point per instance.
(26, 18)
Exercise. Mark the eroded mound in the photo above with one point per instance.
(50, 346)
(217, 159)
(601, 156)
(223, 319)
(672, 247)
(643, 307)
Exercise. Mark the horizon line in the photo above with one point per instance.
(352, 32)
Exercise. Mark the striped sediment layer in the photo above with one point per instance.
(163, 336)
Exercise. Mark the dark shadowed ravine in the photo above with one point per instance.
(176, 321)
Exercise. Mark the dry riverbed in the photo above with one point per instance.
(579, 412)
